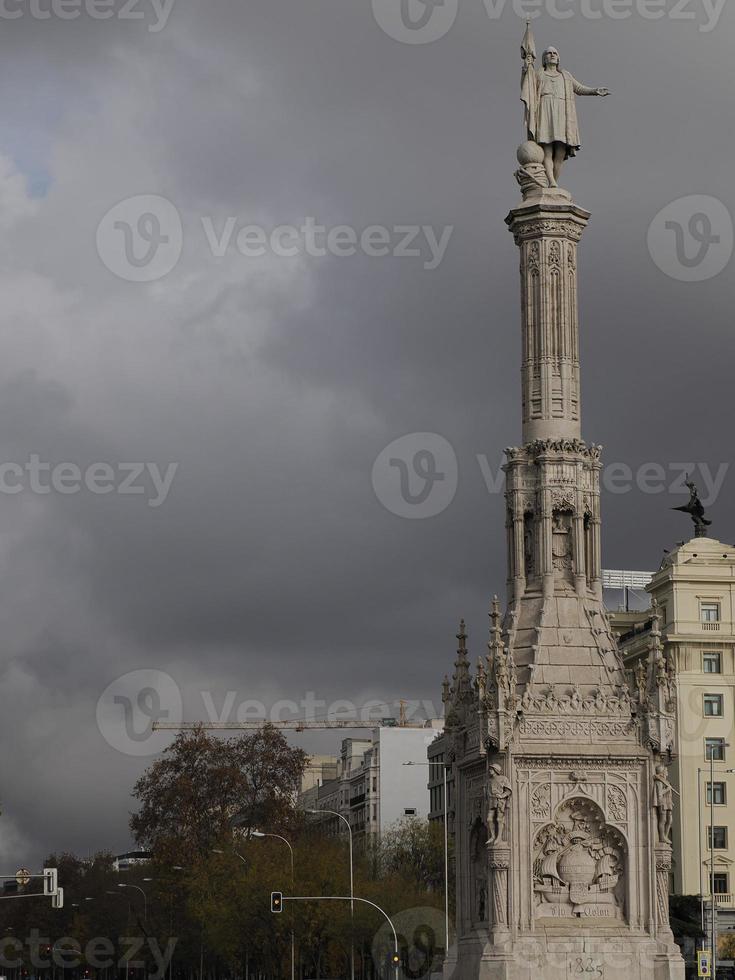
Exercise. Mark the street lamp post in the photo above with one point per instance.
(351, 899)
(700, 770)
(145, 897)
(127, 955)
(446, 849)
(713, 907)
(259, 834)
(344, 819)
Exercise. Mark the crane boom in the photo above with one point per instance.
(294, 725)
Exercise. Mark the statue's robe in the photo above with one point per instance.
(566, 128)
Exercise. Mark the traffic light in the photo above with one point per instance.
(395, 959)
(50, 881)
(57, 899)
(276, 901)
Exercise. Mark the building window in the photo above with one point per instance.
(710, 612)
(720, 838)
(713, 705)
(721, 884)
(720, 792)
(714, 749)
(410, 811)
(712, 663)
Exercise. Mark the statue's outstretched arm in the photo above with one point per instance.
(580, 89)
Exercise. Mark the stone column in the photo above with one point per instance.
(663, 870)
(547, 233)
(499, 864)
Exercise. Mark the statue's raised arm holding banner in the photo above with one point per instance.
(548, 94)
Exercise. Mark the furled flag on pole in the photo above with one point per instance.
(529, 92)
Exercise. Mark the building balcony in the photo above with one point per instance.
(724, 900)
(711, 626)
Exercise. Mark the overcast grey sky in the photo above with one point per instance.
(271, 568)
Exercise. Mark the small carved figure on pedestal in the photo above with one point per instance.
(663, 802)
(498, 793)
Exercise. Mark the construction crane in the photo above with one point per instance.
(294, 725)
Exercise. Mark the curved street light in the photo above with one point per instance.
(344, 819)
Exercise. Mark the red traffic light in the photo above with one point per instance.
(276, 901)
(395, 959)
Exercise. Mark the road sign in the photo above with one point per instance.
(704, 963)
(22, 876)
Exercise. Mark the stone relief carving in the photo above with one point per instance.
(562, 499)
(581, 728)
(548, 226)
(539, 446)
(617, 805)
(541, 802)
(555, 255)
(597, 703)
(579, 865)
(562, 551)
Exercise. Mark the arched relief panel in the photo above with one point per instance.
(580, 865)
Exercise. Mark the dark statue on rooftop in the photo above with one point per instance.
(695, 509)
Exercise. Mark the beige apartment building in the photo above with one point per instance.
(694, 590)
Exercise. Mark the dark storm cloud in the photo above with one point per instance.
(272, 570)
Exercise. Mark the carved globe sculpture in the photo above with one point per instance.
(530, 152)
(577, 866)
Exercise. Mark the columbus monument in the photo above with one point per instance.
(562, 805)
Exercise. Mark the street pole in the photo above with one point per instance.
(446, 865)
(145, 897)
(259, 834)
(351, 899)
(446, 849)
(712, 858)
(344, 819)
(699, 817)
(725, 745)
